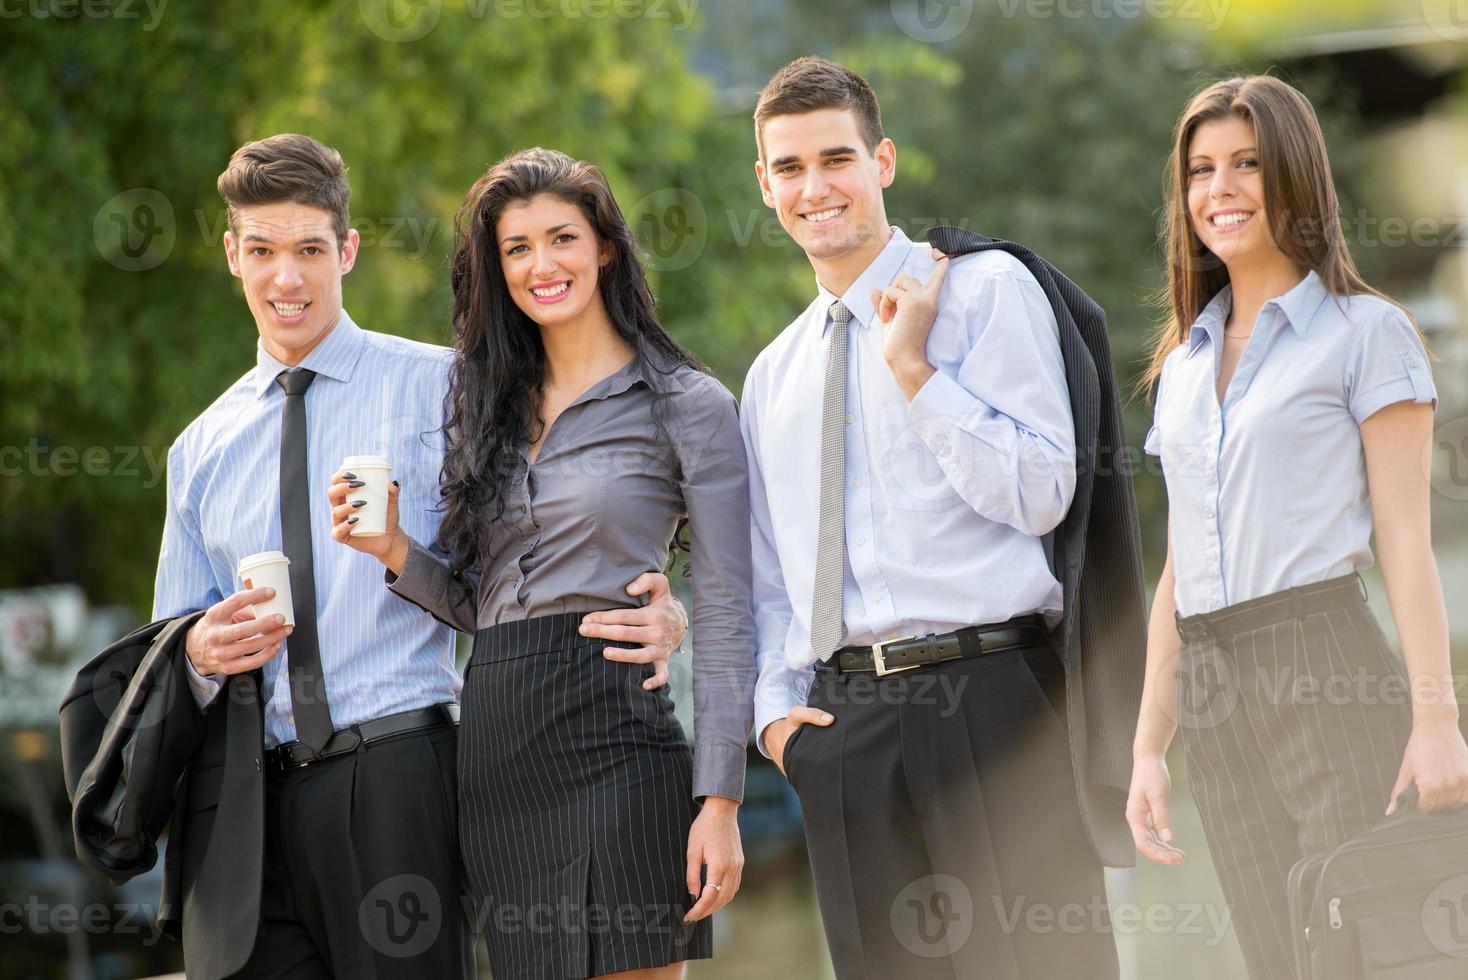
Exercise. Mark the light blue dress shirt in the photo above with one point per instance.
(380, 653)
(1268, 491)
(948, 498)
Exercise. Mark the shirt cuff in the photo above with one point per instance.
(773, 703)
(423, 579)
(942, 403)
(1397, 390)
(1153, 444)
(205, 689)
(718, 770)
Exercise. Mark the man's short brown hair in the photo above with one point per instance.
(288, 167)
(810, 84)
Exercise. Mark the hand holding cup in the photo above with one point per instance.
(229, 639)
(346, 506)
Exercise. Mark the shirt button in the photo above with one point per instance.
(878, 598)
(860, 542)
(1414, 361)
(850, 419)
(856, 484)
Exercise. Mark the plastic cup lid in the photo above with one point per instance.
(262, 558)
(360, 461)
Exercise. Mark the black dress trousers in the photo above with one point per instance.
(943, 827)
(362, 870)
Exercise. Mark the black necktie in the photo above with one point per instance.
(308, 686)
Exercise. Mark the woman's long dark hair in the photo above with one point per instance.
(494, 395)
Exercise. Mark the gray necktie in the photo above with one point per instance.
(825, 612)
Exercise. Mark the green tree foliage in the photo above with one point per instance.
(116, 339)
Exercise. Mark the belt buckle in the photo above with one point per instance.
(880, 662)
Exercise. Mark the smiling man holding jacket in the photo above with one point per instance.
(918, 681)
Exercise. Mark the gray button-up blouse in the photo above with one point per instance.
(598, 507)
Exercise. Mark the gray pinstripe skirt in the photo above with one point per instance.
(575, 790)
(1294, 715)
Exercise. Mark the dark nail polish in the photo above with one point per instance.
(356, 483)
(352, 520)
(349, 476)
(396, 484)
(359, 503)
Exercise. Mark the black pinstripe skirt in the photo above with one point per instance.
(1294, 714)
(575, 789)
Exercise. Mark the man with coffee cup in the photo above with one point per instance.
(319, 836)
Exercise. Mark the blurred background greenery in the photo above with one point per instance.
(1045, 121)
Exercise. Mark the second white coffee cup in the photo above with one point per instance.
(269, 570)
(375, 472)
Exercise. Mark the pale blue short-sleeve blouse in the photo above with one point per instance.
(1268, 491)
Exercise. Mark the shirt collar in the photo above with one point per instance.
(1300, 303)
(1299, 306)
(656, 372)
(335, 357)
(877, 275)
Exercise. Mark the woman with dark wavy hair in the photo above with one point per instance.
(581, 436)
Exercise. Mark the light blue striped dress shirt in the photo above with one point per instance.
(949, 497)
(1268, 490)
(380, 653)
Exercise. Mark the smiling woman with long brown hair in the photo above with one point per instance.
(1293, 419)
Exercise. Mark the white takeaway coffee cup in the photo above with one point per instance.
(375, 472)
(269, 570)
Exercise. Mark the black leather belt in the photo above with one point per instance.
(891, 656)
(295, 755)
